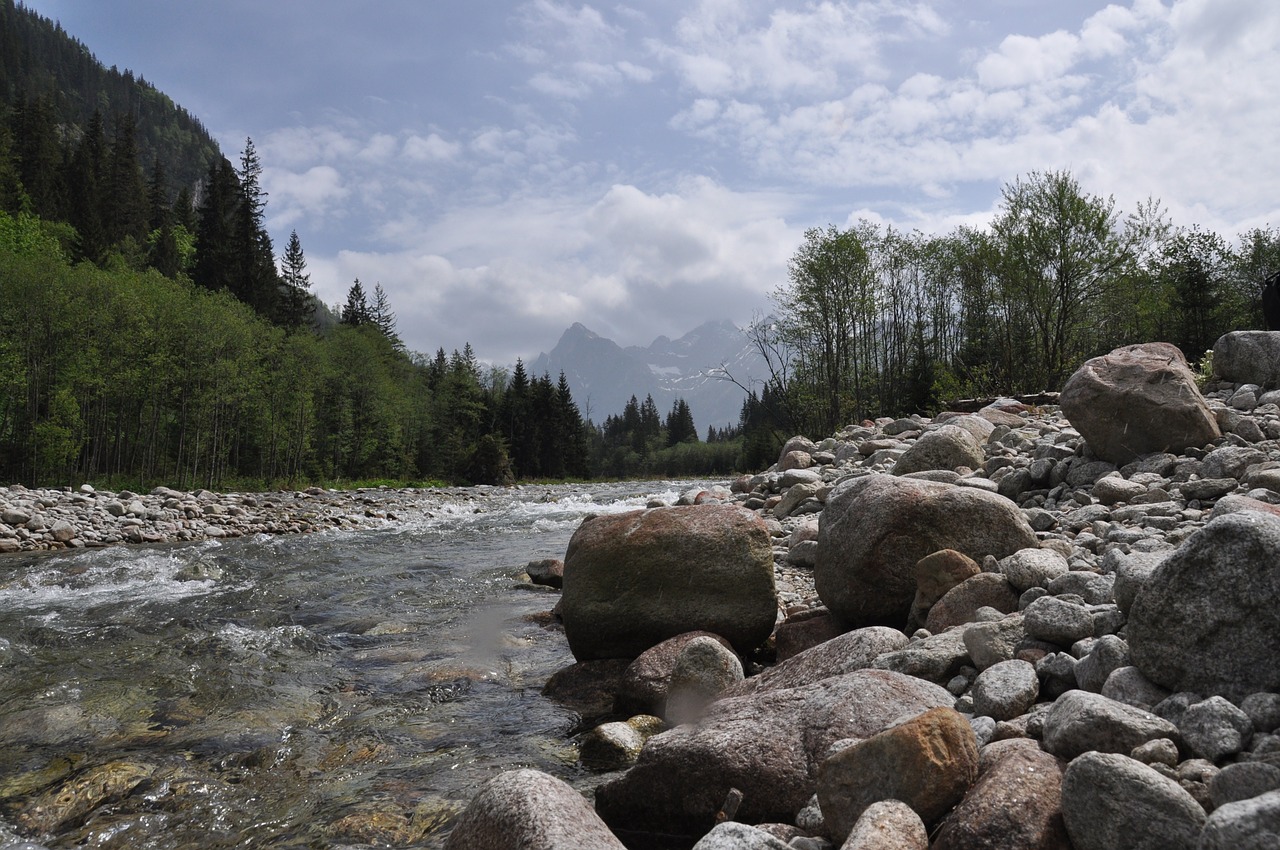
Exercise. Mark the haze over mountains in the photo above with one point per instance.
(603, 375)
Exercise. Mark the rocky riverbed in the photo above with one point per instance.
(51, 519)
(1048, 627)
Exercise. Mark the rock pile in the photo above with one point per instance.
(1043, 644)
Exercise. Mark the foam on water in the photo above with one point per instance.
(92, 578)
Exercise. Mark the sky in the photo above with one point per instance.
(505, 169)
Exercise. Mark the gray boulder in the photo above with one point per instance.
(1111, 802)
(731, 835)
(1242, 781)
(1137, 400)
(529, 810)
(1057, 620)
(993, 641)
(647, 679)
(1248, 357)
(876, 528)
(632, 580)
(1207, 621)
(887, 825)
(855, 650)
(1030, 568)
(1214, 729)
(1005, 690)
(1080, 721)
(703, 669)
(1252, 824)
(948, 447)
(767, 745)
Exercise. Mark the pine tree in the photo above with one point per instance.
(680, 427)
(257, 283)
(296, 306)
(381, 314)
(356, 311)
(216, 263)
(125, 195)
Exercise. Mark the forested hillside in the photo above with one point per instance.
(55, 82)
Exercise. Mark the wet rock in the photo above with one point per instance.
(615, 745)
(1080, 721)
(1200, 623)
(71, 802)
(767, 745)
(1111, 802)
(1016, 803)
(1137, 400)
(928, 763)
(588, 687)
(633, 580)
(876, 528)
(525, 808)
(549, 572)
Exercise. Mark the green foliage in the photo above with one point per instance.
(875, 322)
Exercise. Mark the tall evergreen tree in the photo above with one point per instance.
(256, 283)
(216, 263)
(381, 314)
(296, 306)
(124, 200)
(356, 311)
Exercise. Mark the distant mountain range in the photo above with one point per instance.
(603, 375)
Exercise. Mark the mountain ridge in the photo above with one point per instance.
(603, 375)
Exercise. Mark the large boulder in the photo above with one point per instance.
(1248, 357)
(632, 580)
(768, 745)
(876, 528)
(855, 650)
(1081, 721)
(948, 447)
(1137, 400)
(1016, 803)
(529, 810)
(929, 762)
(1207, 619)
(1111, 802)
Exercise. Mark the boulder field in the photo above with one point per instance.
(1025, 627)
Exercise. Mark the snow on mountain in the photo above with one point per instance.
(603, 375)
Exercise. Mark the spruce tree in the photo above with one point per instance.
(296, 306)
(381, 314)
(125, 195)
(356, 311)
(256, 282)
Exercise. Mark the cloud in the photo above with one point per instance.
(432, 148)
(617, 261)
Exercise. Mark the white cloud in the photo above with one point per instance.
(432, 148)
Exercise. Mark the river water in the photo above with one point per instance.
(339, 689)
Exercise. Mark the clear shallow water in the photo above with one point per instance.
(328, 690)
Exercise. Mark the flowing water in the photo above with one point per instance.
(339, 689)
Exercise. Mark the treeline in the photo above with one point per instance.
(640, 442)
(873, 321)
(127, 376)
